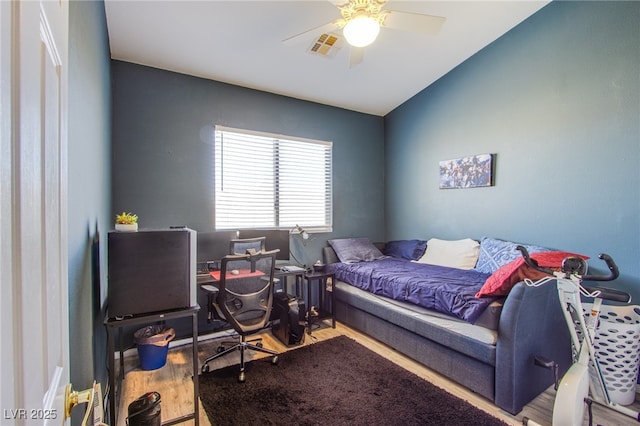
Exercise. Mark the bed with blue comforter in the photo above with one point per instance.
(447, 290)
(529, 321)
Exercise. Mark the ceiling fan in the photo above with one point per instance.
(361, 22)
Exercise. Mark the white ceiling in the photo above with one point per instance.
(240, 42)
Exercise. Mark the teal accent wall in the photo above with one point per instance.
(89, 168)
(557, 99)
(163, 150)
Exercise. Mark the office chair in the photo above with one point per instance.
(245, 297)
(246, 245)
(236, 246)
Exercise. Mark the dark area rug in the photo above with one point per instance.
(335, 382)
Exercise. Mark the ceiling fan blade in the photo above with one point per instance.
(324, 28)
(413, 22)
(356, 55)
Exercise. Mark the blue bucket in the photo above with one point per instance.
(153, 346)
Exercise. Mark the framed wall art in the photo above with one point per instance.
(467, 172)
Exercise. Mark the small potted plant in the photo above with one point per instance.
(127, 222)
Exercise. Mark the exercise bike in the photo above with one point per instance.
(583, 383)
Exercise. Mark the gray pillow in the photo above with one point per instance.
(352, 250)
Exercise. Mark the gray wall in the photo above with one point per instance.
(558, 100)
(163, 155)
(163, 149)
(89, 190)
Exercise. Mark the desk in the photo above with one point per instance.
(298, 275)
(278, 273)
(112, 324)
(325, 283)
(207, 283)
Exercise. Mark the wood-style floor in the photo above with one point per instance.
(174, 383)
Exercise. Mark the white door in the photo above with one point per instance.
(33, 213)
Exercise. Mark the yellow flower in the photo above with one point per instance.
(127, 218)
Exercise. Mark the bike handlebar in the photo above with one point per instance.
(613, 268)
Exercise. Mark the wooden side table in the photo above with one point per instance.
(325, 282)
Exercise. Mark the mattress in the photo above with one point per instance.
(447, 290)
(480, 333)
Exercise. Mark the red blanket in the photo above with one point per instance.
(503, 280)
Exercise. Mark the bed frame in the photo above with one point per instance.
(531, 323)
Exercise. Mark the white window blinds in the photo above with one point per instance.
(271, 182)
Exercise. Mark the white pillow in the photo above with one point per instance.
(461, 254)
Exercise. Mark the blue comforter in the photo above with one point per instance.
(447, 290)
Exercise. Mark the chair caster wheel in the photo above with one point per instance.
(220, 349)
(205, 368)
(241, 377)
(275, 360)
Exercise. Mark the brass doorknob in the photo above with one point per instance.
(73, 398)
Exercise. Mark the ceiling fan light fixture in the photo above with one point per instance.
(361, 31)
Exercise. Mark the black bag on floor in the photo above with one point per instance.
(289, 319)
(145, 411)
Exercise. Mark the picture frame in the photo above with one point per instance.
(475, 171)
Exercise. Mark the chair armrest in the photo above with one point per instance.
(213, 311)
(210, 289)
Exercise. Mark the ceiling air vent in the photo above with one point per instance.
(326, 45)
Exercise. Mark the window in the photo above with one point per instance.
(269, 181)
